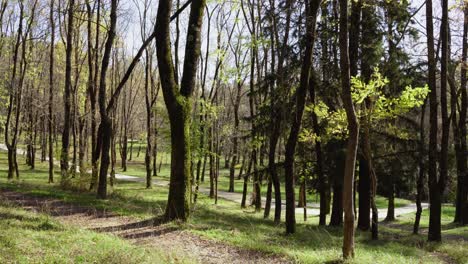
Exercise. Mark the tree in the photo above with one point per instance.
(178, 102)
(353, 128)
(67, 95)
(51, 92)
(461, 213)
(301, 93)
(105, 109)
(276, 104)
(434, 192)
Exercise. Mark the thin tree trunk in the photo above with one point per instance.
(422, 171)
(353, 128)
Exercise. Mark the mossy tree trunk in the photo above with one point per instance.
(178, 102)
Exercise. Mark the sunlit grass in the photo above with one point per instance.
(228, 223)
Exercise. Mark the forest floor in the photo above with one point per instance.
(215, 232)
(150, 233)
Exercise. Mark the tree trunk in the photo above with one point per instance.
(178, 103)
(434, 191)
(336, 218)
(301, 94)
(50, 117)
(364, 195)
(422, 171)
(149, 136)
(67, 97)
(246, 180)
(353, 128)
(461, 213)
(105, 128)
(391, 204)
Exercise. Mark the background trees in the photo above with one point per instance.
(263, 98)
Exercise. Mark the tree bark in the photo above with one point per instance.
(353, 129)
(51, 92)
(301, 94)
(67, 97)
(178, 102)
(434, 191)
(461, 213)
(422, 171)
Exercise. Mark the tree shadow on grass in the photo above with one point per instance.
(152, 222)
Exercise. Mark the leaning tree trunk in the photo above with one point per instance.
(301, 94)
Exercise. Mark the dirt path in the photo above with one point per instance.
(150, 232)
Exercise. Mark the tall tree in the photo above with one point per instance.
(353, 130)
(461, 213)
(434, 191)
(51, 92)
(311, 18)
(276, 104)
(105, 128)
(67, 95)
(178, 102)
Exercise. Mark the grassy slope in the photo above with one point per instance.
(28, 237)
(228, 223)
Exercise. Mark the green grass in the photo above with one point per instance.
(227, 223)
(28, 237)
(138, 169)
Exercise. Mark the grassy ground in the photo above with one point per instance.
(226, 222)
(137, 168)
(28, 237)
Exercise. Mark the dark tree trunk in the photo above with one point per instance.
(92, 83)
(364, 195)
(235, 140)
(461, 213)
(336, 218)
(149, 134)
(434, 191)
(422, 171)
(105, 128)
(67, 96)
(50, 116)
(14, 101)
(246, 180)
(301, 94)
(391, 204)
